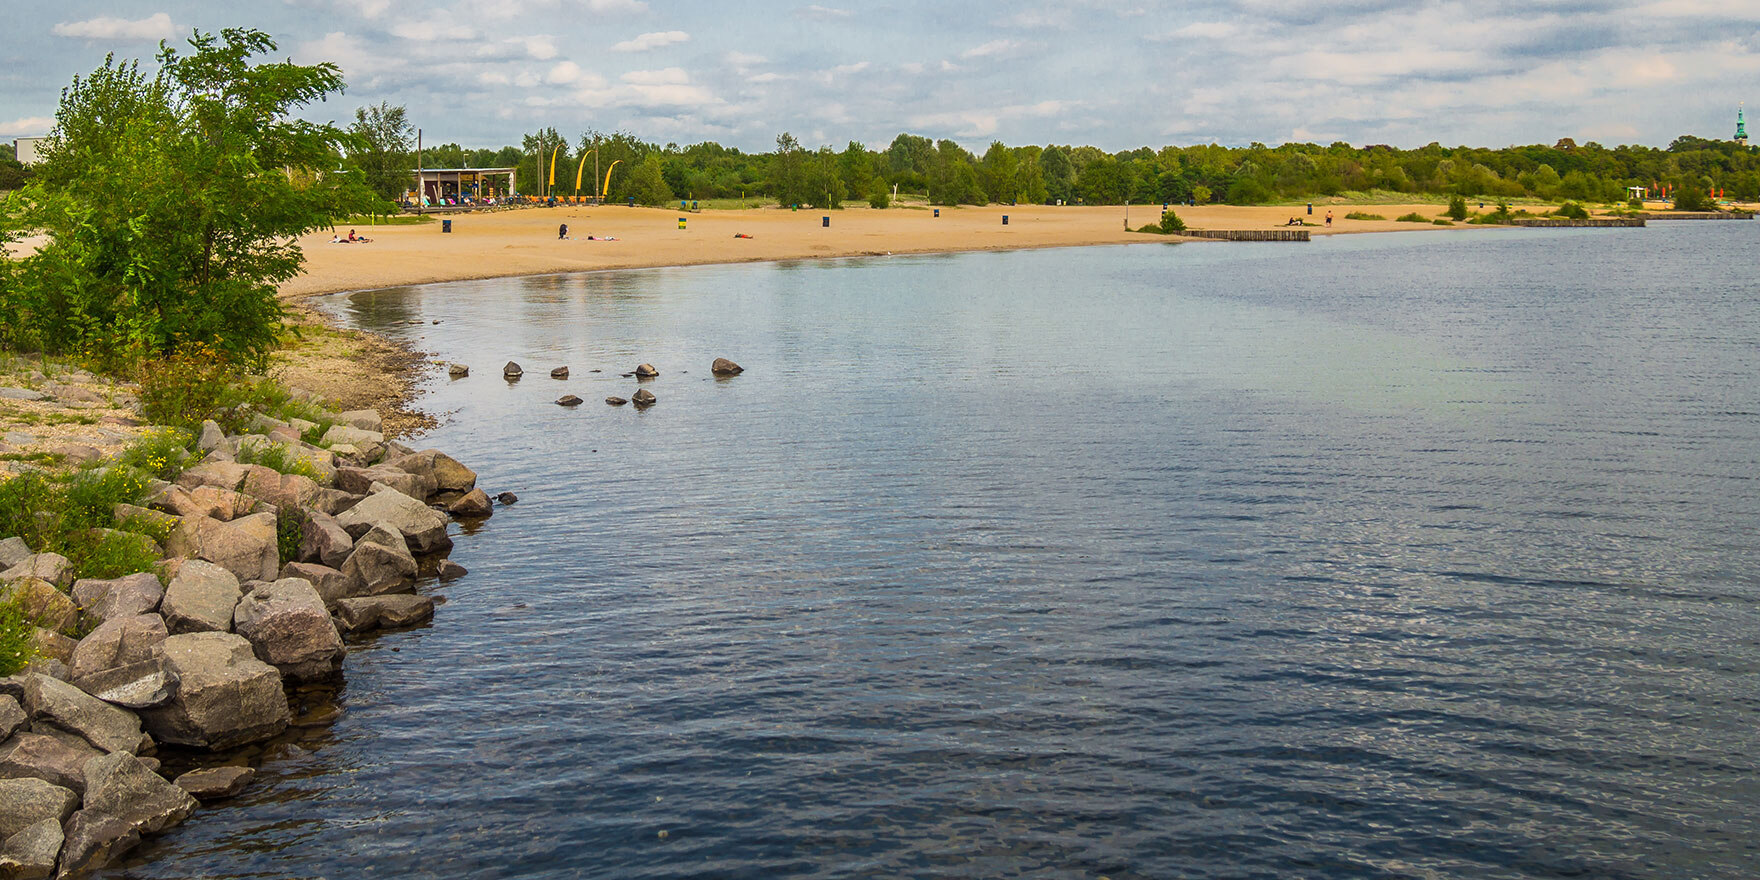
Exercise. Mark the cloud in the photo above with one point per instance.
(742, 60)
(615, 7)
(823, 13)
(154, 27)
(540, 47)
(429, 30)
(29, 126)
(647, 42)
(993, 49)
(670, 76)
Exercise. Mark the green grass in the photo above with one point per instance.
(371, 220)
(278, 457)
(17, 638)
(19, 415)
(110, 554)
(163, 454)
(1360, 215)
(1413, 217)
(1441, 222)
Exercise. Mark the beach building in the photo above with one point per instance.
(443, 186)
(26, 150)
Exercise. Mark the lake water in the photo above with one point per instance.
(1426, 555)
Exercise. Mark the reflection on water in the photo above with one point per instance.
(1382, 556)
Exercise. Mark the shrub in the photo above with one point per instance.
(185, 388)
(1171, 223)
(1689, 198)
(1413, 217)
(879, 199)
(1441, 222)
(1499, 217)
(288, 526)
(1457, 209)
(92, 496)
(1572, 210)
(279, 458)
(1635, 204)
(18, 638)
(1360, 215)
(160, 454)
(108, 553)
(31, 507)
(1151, 228)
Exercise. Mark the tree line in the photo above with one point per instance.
(945, 173)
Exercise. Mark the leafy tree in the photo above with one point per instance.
(1457, 208)
(824, 187)
(1000, 167)
(383, 138)
(855, 166)
(170, 204)
(1689, 198)
(646, 183)
(1059, 174)
(788, 172)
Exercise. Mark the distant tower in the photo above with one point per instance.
(1741, 128)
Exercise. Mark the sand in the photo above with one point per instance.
(524, 242)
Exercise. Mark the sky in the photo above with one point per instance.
(1117, 74)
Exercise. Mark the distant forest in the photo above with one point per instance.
(945, 173)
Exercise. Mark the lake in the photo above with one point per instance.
(1417, 555)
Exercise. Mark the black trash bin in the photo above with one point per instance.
(446, 226)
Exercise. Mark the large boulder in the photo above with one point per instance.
(330, 583)
(378, 612)
(120, 785)
(51, 567)
(225, 697)
(27, 801)
(201, 598)
(228, 475)
(725, 367)
(41, 603)
(204, 500)
(94, 840)
(215, 783)
(333, 501)
(51, 645)
(448, 474)
(12, 716)
(423, 527)
(246, 547)
(31, 853)
(289, 628)
(285, 491)
(323, 540)
(117, 642)
(67, 707)
(13, 551)
(364, 419)
(360, 481)
(472, 505)
(135, 686)
(646, 371)
(57, 761)
(127, 596)
(381, 563)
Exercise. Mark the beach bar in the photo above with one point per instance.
(438, 187)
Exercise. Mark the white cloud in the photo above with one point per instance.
(154, 27)
(765, 78)
(539, 47)
(563, 73)
(991, 49)
(665, 77)
(648, 42)
(29, 126)
(823, 12)
(429, 30)
(605, 7)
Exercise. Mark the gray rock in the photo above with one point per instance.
(285, 491)
(117, 642)
(353, 436)
(377, 567)
(215, 783)
(30, 854)
(330, 583)
(725, 367)
(51, 567)
(323, 540)
(331, 502)
(135, 686)
(94, 840)
(118, 784)
(51, 645)
(75, 711)
(21, 394)
(507, 498)
(128, 596)
(447, 473)
(643, 397)
(27, 801)
(360, 481)
(559, 373)
(646, 371)
(225, 697)
(569, 400)
(457, 371)
(228, 475)
(376, 612)
(212, 437)
(450, 571)
(12, 716)
(424, 528)
(290, 628)
(54, 760)
(41, 603)
(201, 598)
(513, 370)
(12, 552)
(614, 400)
(246, 547)
(364, 419)
(471, 505)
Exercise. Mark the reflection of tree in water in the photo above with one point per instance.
(379, 309)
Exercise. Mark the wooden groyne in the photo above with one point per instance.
(1249, 234)
(1700, 215)
(1566, 221)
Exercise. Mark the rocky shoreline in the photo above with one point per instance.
(262, 574)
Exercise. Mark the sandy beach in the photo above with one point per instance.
(524, 241)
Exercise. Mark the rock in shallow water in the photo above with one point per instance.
(513, 370)
(616, 401)
(643, 398)
(214, 783)
(725, 367)
(568, 400)
(646, 371)
(559, 373)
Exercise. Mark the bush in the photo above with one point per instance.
(160, 454)
(288, 526)
(1413, 217)
(1635, 204)
(279, 458)
(880, 199)
(1457, 209)
(1441, 222)
(18, 638)
(101, 553)
(1360, 215)
(184, 389)
(1689, 198)
(1572, 210)
(1171, 223)
(1151, 228)
(1499, 217)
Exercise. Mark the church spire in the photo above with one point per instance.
(1741, 127)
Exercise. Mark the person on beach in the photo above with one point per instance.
(562, 232)
(1328, 218)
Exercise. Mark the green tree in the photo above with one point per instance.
(383, 138)
(170, 203)
(646, 183)
(1000, 167)
(1059, 174)
(824, 186)
(788, 172)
